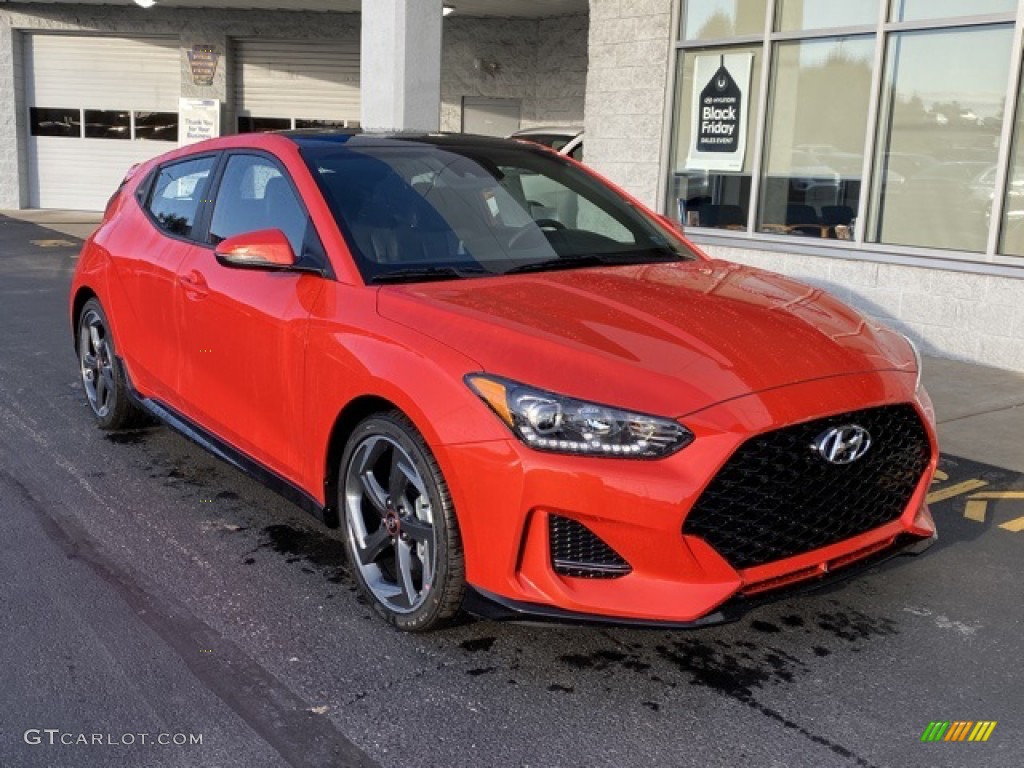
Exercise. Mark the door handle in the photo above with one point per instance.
(194, 284)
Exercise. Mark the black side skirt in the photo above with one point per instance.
(327, 515)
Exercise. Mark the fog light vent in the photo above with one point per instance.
(578, 551)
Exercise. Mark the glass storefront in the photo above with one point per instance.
(814, 156)
(938, 144)
(872, 125)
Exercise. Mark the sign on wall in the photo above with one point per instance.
(202, 61)
(198, 119)
(721, 91)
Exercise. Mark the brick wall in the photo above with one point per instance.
(543, 63)
(626, 105)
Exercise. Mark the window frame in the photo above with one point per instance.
(991, 261)
(197, 235)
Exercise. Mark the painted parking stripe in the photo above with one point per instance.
(1014, 526)
(957, 489)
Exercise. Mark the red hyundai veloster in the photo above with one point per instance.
(520, 392)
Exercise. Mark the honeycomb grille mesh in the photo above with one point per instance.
(777, 497)
(578, 551)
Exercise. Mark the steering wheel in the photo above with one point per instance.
(538, 224)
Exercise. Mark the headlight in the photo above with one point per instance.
(550, 422)
(917, 359)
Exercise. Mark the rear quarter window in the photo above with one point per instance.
(177, 192)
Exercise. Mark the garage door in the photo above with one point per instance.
(97, 105)
(283, 84)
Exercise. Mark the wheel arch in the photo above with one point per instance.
(345, 423)
(82, 295)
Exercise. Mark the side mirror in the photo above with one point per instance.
(264, 249)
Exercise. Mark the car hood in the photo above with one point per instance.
(668, 339)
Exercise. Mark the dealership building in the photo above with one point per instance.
(872, 148)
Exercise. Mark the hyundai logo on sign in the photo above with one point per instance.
(720, 103)
(843, 445)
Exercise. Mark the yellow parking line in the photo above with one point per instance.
(1014, 526)
(955, 490)
(998, 495)
(975, 510)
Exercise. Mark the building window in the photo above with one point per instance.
(108, 124)
(103, 124)
(882, 129)
(919, 10)
(939, 131)
(814, 154)
(719, 19)
(798, 15)
(715, 135)
(248, 124)
(1011, 242)
(44, 121)
(156, 126)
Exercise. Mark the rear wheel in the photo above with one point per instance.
(401, 532)
(106, 387)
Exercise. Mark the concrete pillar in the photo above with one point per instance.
(400, 65)
(12, 128)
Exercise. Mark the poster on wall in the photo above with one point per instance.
(721, 91)
(198, 119)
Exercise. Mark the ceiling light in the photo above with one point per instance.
(146, 3)
(445, 9)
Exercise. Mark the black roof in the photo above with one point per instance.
(354, 138)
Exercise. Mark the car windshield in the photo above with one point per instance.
(415, 211)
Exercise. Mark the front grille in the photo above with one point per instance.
(777, 497)
(578, 551)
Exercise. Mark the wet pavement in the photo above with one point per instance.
(149, 588)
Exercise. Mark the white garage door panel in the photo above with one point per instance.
(297, 78)
(82, 174)
(104, 72)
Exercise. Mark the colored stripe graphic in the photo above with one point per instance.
(958, 730)
(983, 730)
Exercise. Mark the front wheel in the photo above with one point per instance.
(106, 387)
(401, 532)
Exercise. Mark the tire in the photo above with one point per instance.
(106, 387)
(401, 533)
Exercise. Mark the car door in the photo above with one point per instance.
(148, 254)
(243, 331)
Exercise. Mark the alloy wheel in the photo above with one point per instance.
(390, 523)
(97, 364)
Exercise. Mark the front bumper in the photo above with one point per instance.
(505, 493)
(485, 605)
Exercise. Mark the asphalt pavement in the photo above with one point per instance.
(151, 593)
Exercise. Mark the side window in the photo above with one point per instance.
(254, 194)
(177, 193)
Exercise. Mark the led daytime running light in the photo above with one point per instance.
(547, 421)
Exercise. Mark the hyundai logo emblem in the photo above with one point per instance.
(843, 445)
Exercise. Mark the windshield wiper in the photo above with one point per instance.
(648, 255)
(424, 274)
